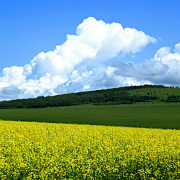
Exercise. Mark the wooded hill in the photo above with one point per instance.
(115, 96)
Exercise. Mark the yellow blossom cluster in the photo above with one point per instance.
(31, 150)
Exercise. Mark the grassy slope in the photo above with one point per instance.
(160, 115)
(161, 93)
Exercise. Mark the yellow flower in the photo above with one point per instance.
(30, 150)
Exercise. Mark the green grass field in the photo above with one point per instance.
(147, 115)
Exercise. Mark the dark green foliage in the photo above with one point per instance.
(173, 98)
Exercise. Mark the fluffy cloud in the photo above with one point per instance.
(164, 68)
(172, 60)
(177, 48)
(13, 76)
(79, 63)
(11, 92)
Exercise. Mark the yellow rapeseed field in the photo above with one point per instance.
(66, 151)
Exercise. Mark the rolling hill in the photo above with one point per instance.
(114, 96)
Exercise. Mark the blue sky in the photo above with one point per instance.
(53, 47)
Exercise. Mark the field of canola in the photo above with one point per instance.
(30, 150)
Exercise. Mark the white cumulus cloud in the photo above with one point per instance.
(177, 48)
(78, 63)
(163, 68)
(13, 76)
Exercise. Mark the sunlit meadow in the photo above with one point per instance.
(31, 150)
